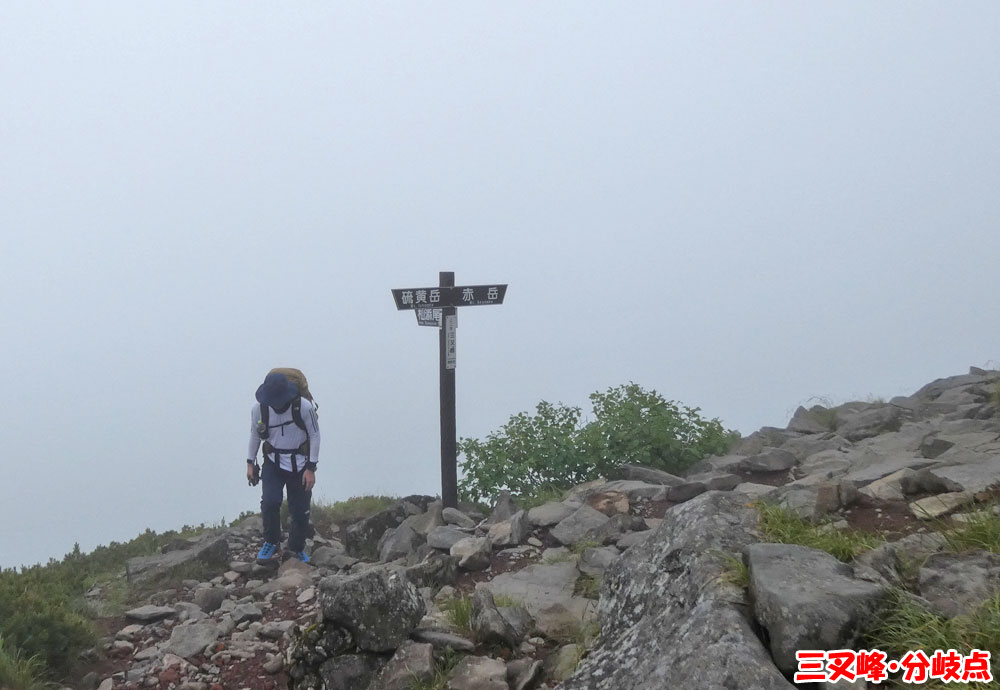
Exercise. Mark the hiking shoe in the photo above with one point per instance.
(302, 556)
(266, 552)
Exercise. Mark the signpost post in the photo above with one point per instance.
(436, 306)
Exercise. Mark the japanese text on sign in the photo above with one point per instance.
(459, 296)
(817, 666)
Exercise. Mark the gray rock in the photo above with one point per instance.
(942, 504)
(150, 613)
(807, 599)
(932, 446)
(937, 387)
(549, 514)
(479, 673)
(972, 472)
(435, 571)
(575, 528)
(211, 551)
(650, 475)
(209, 599)
(523, 674)
(862, 476)
(487, 624)
(324, 556)
(957, 584)
(425, 522)
(751, 490)
(871, 423)
(473, 553)
(398, 543)
(412, 663)
(510, 532)
(443, 640)
(665, 607)
(810, 501)
(635, 489)
(629, 540)
(540, 586)
(378, 608)
(765, 437)
(595, 561)
(771, 460)
(246, 612)
(805, 446)
(889, 488)
(686, 491)
(716, 481)
(275, 630)
(503, 509)
(453, 516)
(718, 463)
(350, 671)
(815, 420)
(187, 641)
(361, 539)
(830, 463)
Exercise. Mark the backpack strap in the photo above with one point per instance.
(263, 430)
(297, 414)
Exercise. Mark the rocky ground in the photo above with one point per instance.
(639, 560)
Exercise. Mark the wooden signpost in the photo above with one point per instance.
(436, 307)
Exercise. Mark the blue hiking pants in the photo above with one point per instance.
(274, 480)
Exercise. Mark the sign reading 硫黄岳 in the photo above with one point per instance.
(436, 307)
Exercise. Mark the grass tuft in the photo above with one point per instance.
(736, 571)
(20, 672)
(783, 526)
(458, 611)
(981, 531)
(904, 625)
(444, 666)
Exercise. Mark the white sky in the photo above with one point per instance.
(740, 205)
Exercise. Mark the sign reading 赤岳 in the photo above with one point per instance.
(457, 296)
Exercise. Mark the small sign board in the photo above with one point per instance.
(458, 296)
(450, 341)
(429, 316)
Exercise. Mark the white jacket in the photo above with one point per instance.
(286, 435)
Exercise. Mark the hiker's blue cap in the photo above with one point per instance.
(276, 391)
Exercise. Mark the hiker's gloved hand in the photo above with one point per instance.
(308, 479)
(253, 474)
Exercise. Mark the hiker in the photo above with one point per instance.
(285, 420)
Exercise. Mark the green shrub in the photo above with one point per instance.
(37, 617)
(551, 449)
(635, 426)
(529, 452)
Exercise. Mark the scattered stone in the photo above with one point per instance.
(150, 613)
(942, 504)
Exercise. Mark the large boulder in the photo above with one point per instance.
(378, 607)
(807, 599)
(362, 539)
(211, 551)
(956, 584)
(666, 607)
